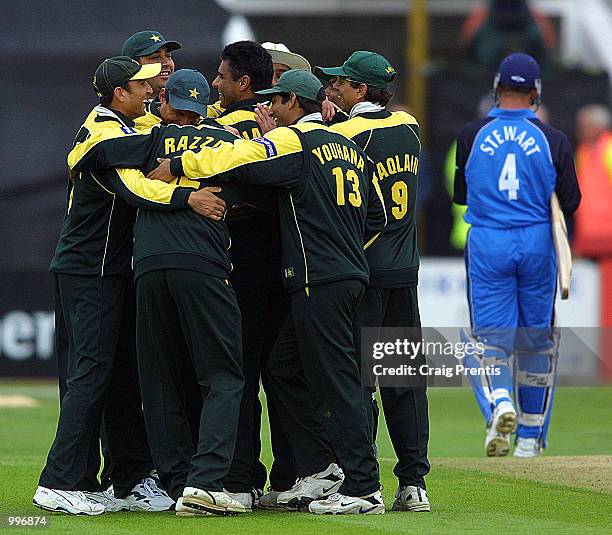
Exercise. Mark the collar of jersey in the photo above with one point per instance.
(108, 114)
(316, 117)
(526, 112)
(365, 107)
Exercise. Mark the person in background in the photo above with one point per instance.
(593, 234)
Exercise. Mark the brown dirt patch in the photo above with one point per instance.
(18, 401)
(593, 472)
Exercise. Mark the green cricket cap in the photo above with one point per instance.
(364, 67)
(188, 90)
(300, 82)
(146, 42)
(119, 70)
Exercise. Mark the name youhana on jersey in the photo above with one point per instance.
(509, 134)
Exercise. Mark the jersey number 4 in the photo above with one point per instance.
(507, 178)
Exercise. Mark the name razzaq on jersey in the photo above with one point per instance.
(495, 139)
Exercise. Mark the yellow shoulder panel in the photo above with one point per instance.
(98, 131)
(147, 121)
(214, 110)
(236, 117)
(309, 127)
(357, 125)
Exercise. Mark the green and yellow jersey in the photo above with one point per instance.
(391, 140)
(328, 205)
(241, 116)
(254, 228)
(180, 239)
(214, 110)
(96, 235)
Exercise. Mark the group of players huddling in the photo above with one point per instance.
(208, 249)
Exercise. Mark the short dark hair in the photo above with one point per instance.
(249, 58)
(309, 106)
(507, 88)
(376, 94)
(105, 100)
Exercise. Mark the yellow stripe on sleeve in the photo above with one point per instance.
(141, 186)
(230, 155)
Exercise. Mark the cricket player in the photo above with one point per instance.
(391, 140)
(188, 317)
(95, 314)
(325, 197)
(254, 227)
(150, 46)
(508, 166)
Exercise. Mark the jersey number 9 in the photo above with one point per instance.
(399, 194)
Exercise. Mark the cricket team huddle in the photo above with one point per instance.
(210, 248)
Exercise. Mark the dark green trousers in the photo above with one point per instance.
(314, 375)
(264, 307)
(406, 409)
(95, 348)
(187, 319)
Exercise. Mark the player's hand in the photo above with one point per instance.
(233, 130)
(205, 203)
(328, 110)
(162, 171)
(264, 118)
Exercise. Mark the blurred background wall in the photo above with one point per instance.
(447, 49)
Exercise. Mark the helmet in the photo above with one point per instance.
(519, 70)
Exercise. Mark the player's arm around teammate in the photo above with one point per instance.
(93, 302)
(325, 272)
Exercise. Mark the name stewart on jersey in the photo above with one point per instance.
(495, 139)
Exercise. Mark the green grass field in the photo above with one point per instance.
(569, 490)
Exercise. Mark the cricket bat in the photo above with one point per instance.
(564, 253)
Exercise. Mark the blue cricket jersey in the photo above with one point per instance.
(508, 165)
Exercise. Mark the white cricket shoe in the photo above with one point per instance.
(504, 418)
(527, 447)
(270, 500)
(339, 504)
(496, 444)
(148, 496)
(245, 498)
(497, 441)
(71, 502)
(182, 510)
(218, 503)
(108, 500)
(409, 498)
(312, 487)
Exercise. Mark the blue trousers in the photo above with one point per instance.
(511, 276)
